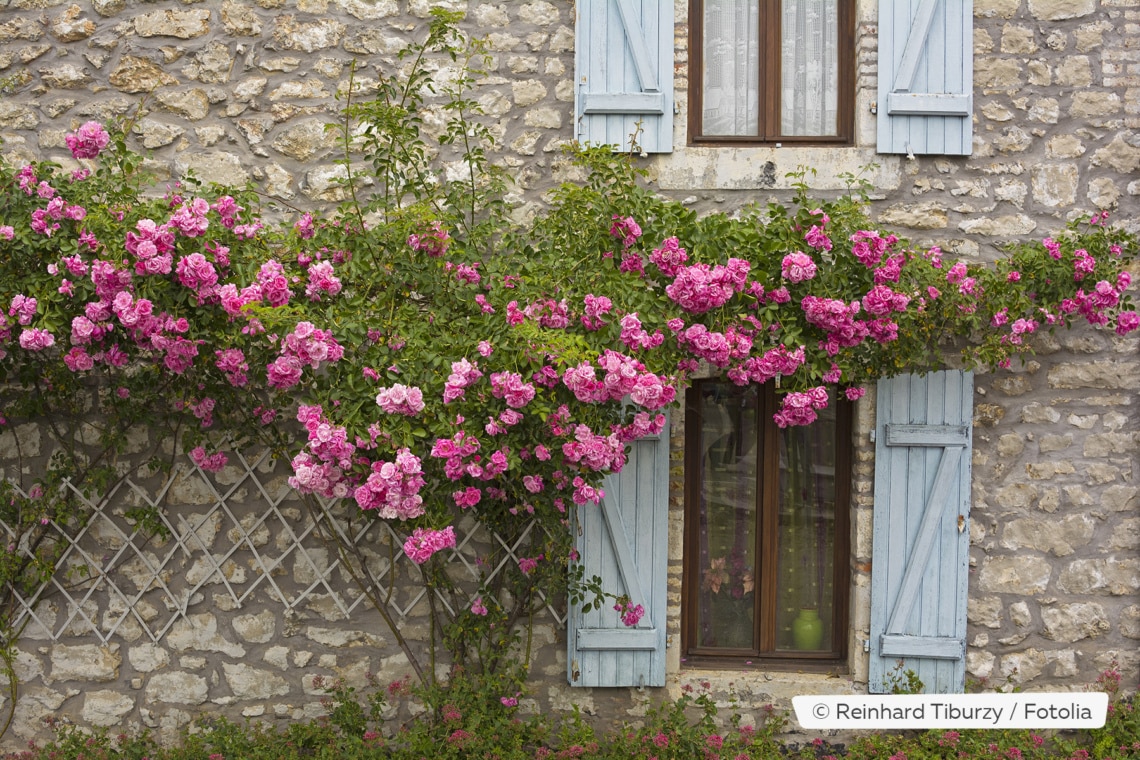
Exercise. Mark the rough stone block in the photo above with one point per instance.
(177, 687)
(106, 708)
(85, 662)
(1067, 623)
(1024, 575)
(1022, 667)
(258, 628)
(1114, 576)
(984, 611)
(1060, 10)
(247, 682)
(183, 25)
(1058, 537)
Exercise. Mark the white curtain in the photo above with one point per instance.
(809, 63)
(809, 92)
(730, 90)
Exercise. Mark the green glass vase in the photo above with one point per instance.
(807, 630)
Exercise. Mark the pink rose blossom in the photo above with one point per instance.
(401, 399)
(423, 543)
(36, 339)
(87, 141)
(434, 241)
(210, 463)
(625, 229)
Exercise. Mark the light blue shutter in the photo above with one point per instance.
(920, 555)
(624, 73)
(926, 77)
(625, 542)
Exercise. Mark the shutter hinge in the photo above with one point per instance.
(871, 436)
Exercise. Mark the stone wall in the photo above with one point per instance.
(238, 90)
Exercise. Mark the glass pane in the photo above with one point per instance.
(805, 600)
(809, 92)
(730, 91)
(726, 594)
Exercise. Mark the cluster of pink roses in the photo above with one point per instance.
(208, 462)
(463, 374)
(401, 399)
(393, 488)
(800, 408)
(623, 376)
(510, 387)
(425, 542)
(305, 346)
(594, 452)
(595, 307)
(151, 244)
(434, 241)
(700, 288)
(454, 451)
(321, 466)
(797, 267)
(88, 141)
(630, 613)
(322, 279)
(719, 349)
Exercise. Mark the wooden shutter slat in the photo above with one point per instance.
(623, 102)
(928, 104)
(608, 638)
(934, 647)
(927, 435)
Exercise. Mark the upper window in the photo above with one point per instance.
(772, 71)
(766, 542)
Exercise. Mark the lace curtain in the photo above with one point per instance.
(809, 67)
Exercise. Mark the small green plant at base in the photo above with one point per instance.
(899, 681)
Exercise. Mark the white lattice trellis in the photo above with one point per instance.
(113, 574)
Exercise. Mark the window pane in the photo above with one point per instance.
(805, 601)
(809, 63)
(728, 440)
(730, 87)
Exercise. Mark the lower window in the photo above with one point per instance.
(766, 529)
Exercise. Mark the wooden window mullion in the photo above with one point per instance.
(769, 69)
(768, 511)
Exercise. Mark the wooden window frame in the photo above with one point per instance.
(770, 85)
(766, 655)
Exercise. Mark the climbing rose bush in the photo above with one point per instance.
(436, 360)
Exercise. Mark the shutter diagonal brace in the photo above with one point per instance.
(646, 72)
(921, 553)
(915, 41)
(626, 567)
(903, 102)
